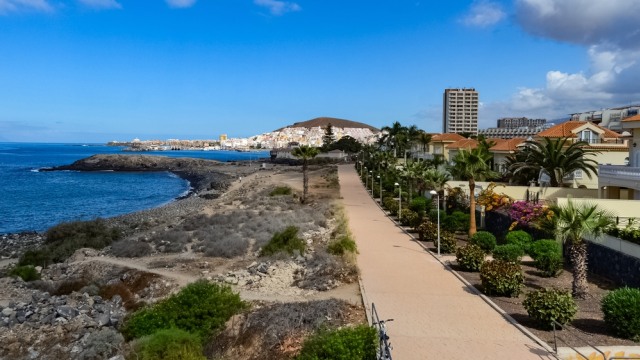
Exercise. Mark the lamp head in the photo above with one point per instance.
(396, 184)
(433, 192)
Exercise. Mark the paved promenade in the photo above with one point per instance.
(436, 315)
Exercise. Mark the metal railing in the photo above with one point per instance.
(573, 332)
(619, 171)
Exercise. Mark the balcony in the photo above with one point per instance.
(619, 175)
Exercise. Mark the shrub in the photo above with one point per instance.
(457, 221)
(427, 230)
(171, 241)
(409, 218)
(419, 205)
(508, 252)
(39, 257)
(344, 344)
(520, 238)
(540, 247)
(470, 257)
(199, 308)
(529, 214)
(342, 245)
(485, 240)
(391, 205)
(546, 305)
(130, 248)
(501, 278)
(280, 190)
(169, 344)
(621, 309)
(102, 344)
(448, 242)
(549, 263)
(285, 241)
(26, 272)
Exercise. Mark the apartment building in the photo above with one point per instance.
(460, 111)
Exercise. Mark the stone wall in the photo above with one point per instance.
(614, 265)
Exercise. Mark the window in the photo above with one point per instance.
(588, 136)
(577, 174)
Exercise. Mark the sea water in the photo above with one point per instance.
(34, 200)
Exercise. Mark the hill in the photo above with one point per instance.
(324, 121)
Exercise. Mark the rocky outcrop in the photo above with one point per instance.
(14, 245)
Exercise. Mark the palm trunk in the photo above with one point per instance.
(578, 254)
(305, 182)
(472, 208)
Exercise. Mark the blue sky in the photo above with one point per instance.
(100, 70)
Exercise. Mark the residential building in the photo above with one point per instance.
(513, 123)
(439, 143)
(623, 181)
(608, 118)
(460, 111)
(512, 133)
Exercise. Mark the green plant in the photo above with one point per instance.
(457, 221)
(546, 305)
(470, 257)
(508, 252)
(540, 247)
(448, 242)
(199, 308)
(280, 190)
(345, 344)
(419, 204)
(169, 344)
(550, 263)
(26, 273)
(501, 278)
(285, 241)
(621, 309)
(484, 239)
(391, 205)
(427, 230)
(39, 257)
(342, 245)
(520, 238)
(409, 218)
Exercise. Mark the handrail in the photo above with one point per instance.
(570, 332)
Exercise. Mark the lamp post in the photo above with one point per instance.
(379, 177)
(433, 192)
(371, 173)
(361, 168)
(400, 202)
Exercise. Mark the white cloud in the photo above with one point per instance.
(180, 3)
(101, 4)
(483, 14)
(7, 6)
(278, 7)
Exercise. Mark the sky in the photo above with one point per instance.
(102, 70)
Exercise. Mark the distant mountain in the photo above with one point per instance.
(324, 121)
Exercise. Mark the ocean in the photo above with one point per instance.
(33, 200)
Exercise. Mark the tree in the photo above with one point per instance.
(347, 144)
(328, 139)
(572, 223)
(423, 139)
(305, 153)
(395, 137)
(472, 165)
(556, 158)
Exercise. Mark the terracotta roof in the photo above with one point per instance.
(508, 144)
(446, 137)
(633, 118)
(565, 130)
(464, 144)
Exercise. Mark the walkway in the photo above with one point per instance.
(436, 315)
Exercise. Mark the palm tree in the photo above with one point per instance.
(572, 223)
(557, 158)
(305, 153)
(394, 137)
(434, 179)
(472, 165)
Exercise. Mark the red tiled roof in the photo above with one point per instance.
(564, 130)
(464, 144)
(446, 137)
(633, 118)
(507, 144)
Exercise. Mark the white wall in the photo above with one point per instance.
(621, 208)
(519, 192)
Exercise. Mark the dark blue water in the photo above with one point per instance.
(33, 200)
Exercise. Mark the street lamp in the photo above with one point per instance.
(400, 202)
(433, 192)
(361, 168)
(379, 177)
(371, 173)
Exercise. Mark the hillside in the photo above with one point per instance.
(335, 122)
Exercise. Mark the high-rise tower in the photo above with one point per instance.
(460, 111)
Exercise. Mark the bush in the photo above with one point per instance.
(342, 245)
(169, 344)
(485, 240)
(391, 205)
(621, 309)
(409, 218)
(448, 242)
(345, 344)
(520, 238)
(509, 252)
(102, 344)
(547, 305)
(199, 308)
(39, 257)
(419, 205)
(26, 272)
(470, 257)
(280, 190)
(540, 247)
(457, 221)
(501, 278)
(550, 264)
(285, 241)
(427, 230)
(130, 248)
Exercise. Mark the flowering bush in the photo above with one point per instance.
(457, 200)
(492, 200)
(529, 214)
